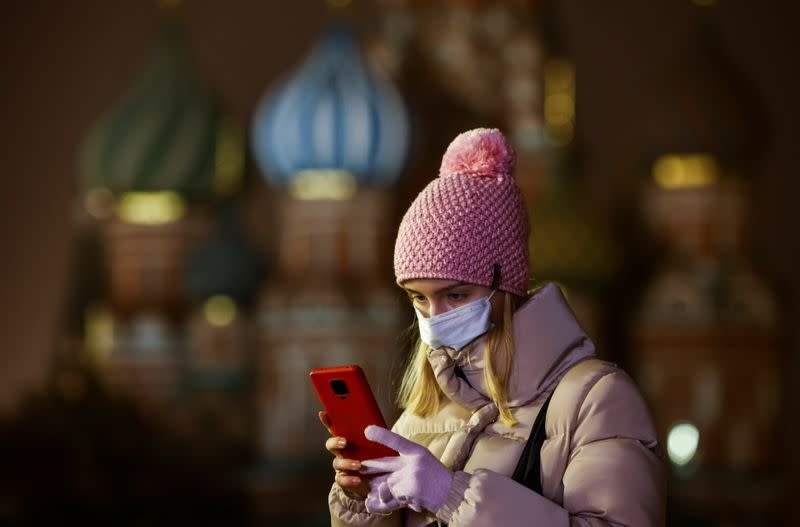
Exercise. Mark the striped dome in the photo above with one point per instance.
(166, 133)
(333, 113)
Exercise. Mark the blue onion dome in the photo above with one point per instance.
(167, 133)
(334, 113)
(225, 264)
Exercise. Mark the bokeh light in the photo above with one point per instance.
(220, 310)
(682, 442)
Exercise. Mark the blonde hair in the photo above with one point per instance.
(419, 392)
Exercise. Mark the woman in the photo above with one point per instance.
(490, 356)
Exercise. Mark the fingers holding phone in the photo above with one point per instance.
(347, 470)
(349, 407)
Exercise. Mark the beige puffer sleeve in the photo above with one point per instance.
(612, 475)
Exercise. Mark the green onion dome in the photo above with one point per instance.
(166, 133)
(567, 245)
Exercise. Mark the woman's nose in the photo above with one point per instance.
(438, 307)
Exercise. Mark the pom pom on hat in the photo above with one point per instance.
(479, 152)
(470, 224)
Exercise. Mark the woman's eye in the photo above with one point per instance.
(417, 298)
(456, 296)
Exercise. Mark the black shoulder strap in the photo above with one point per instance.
(529, 466)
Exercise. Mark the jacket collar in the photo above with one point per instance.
(548, 340)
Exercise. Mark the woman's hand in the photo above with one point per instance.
(347, 470)
(414, 479)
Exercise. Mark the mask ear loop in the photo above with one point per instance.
(494, 286)
(495, 279)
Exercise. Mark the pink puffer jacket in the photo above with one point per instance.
(600, 464)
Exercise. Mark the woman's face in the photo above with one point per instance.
(434, 296)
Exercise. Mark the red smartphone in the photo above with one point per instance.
(347, 399)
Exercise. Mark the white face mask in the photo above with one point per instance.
(458, 327)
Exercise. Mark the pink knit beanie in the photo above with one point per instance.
(470, 223)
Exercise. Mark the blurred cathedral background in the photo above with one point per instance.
(201, 203)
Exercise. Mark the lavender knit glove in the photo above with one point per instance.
(414, 479)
